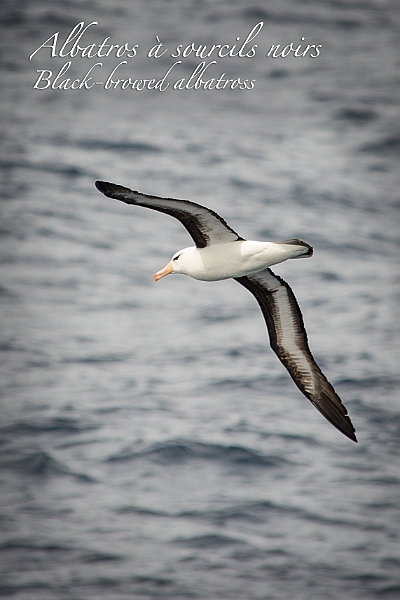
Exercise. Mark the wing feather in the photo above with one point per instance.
(204, 225)
(288, 340)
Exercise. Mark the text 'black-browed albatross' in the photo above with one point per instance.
(220, 253)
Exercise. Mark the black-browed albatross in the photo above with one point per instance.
(220, 253)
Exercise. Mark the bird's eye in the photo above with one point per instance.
(176, 257)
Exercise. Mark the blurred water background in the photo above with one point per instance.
(152, 446)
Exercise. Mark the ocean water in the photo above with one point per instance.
(152, 446)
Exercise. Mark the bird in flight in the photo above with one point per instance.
(220, 253)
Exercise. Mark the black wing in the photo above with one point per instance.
(288, 340)
(204, 225)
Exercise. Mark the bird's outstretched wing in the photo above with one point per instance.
(288, 340)
(204, 225)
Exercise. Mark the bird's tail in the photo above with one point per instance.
(304, 250)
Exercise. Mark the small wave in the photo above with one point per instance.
(246, 383)
(378, 414)
(257, 13)
(9, 346)
(368, 382)
(208, 541)
(138, 510)
(14, 590)
(260, 14)
(217, 316)
(42, 464)
(383, 481)
(257, 512)
(330, 276)
(123, 305)
(97, 557)
(389, 591)
(356, 116)
(260, 512)
(254, 512)
(24, 544)
(241, 184)
(138, 147)
(102, 358)
(278, 73)
(105, 144)
(250, 511)
(156, 582)
(388, 145)
(57, 169)
(57, 424)
(47, 232)
(57, 214)
(5, 293)
(181, 451)
(17, 17)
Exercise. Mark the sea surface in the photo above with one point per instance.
(151, 444)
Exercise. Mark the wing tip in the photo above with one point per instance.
(112, 190)
(351, 435)
(343, 424)
(332, 408)
(103, 187)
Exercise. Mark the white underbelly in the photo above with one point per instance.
(236, 259)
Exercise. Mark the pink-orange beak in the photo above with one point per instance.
(165, 271)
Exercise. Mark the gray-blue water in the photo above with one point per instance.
(152, 446)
